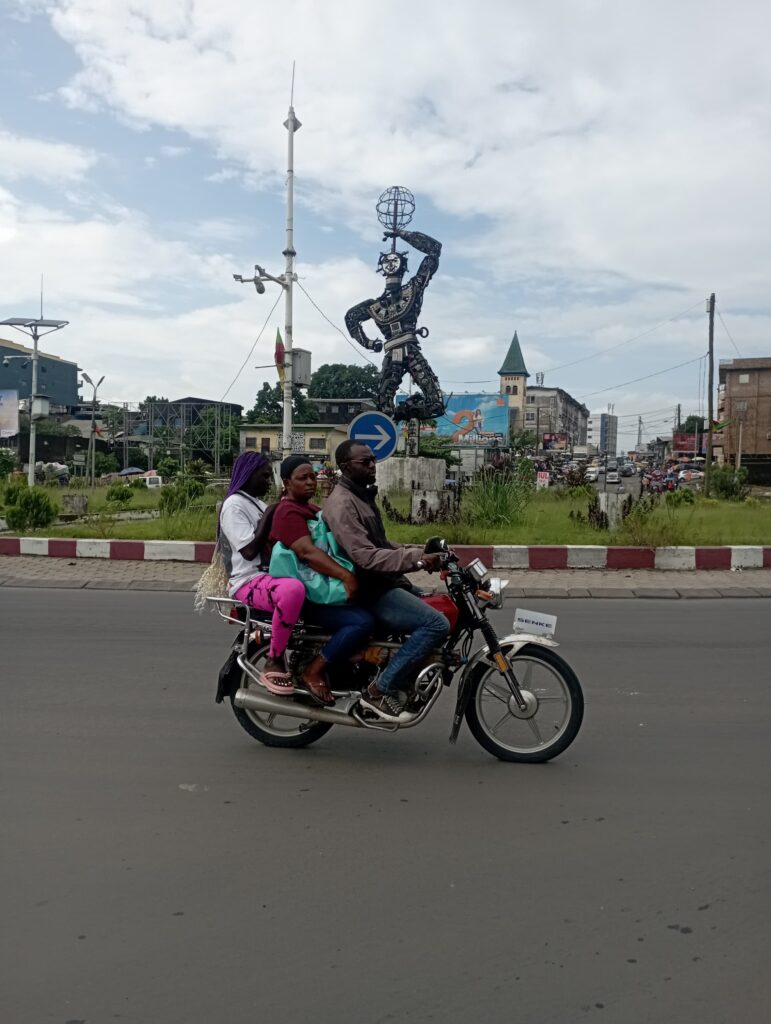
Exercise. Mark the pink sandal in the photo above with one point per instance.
(279, 683)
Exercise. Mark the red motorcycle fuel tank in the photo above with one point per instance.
(442, 603)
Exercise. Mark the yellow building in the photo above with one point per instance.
(319, 439)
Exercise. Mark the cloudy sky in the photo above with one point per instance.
(593, 169)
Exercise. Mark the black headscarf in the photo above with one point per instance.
(290, 464)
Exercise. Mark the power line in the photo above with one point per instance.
(722, 321)
(254, 346)
(647, 376)
(611, 348)
(331, 323)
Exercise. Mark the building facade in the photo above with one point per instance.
(744, 404)
(554, 411)
(319, 439)
(342, 410)
(602, 432)
(57, 378)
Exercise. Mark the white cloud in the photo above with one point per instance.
(599, 173)
(173, 152)
(51, 162)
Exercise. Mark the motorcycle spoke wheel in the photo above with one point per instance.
(554, 707)
(270, 728)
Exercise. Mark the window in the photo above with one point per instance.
(264, 444)
(317, 444)
(334, 408)
(514, 389)
(531, 399)
(740, 407)
(529, 416)
(744, 378)
(508, 390)
(250, 442)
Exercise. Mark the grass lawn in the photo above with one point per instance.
(708, 522)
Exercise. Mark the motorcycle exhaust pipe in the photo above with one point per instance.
(255, 700)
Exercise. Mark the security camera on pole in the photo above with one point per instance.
(286, 280)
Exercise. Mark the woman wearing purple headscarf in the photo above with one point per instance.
(242, 533)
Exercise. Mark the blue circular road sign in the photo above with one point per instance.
(377, 430)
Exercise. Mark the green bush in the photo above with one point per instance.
(7, 462)
(680, 497)
(13, 491)
(119, 494)
(502, 499)
(729, 483)
(138, 484)
(33, 510)
(180, 496)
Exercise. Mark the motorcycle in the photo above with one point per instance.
(521, 700)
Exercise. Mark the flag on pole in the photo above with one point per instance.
(716, 426)
(280, 363)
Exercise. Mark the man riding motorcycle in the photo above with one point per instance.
(355, 520)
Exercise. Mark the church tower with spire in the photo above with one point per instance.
(513, 374)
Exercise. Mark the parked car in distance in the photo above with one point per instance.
(628, 469)
(592, 474)
(612, 477)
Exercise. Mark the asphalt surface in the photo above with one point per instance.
(159, 866)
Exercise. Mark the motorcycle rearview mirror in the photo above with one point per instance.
(436, 546)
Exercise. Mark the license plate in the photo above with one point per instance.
(538, 623)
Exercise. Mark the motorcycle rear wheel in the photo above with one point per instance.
(275, 730)
(555, 707)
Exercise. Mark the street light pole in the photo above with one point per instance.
(31, 326)
(286, 280)
(92, 444)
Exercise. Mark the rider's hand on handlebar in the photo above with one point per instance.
(432, 563)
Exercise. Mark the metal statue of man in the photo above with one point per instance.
(395, 313)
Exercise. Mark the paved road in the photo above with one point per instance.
(160, 866)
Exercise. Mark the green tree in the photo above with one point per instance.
(692, 425)
(432, 446)
(343, 380)
(105, 463)
(269, 407)
(523, 440)
(167, 467)
(137, 457)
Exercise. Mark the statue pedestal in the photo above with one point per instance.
(430, 506)
(410, 474)
(610, 504)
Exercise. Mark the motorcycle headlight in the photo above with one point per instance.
(477, 569)
(497, 587)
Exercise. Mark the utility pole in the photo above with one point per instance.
(639, 432)
(710, 389)
(678, 420)
(286, 280)
(32, 328)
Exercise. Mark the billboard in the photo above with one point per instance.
(555, 442)
(473, 420)
(689, 444)
(9, 413)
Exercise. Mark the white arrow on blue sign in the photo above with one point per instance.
(377, 430)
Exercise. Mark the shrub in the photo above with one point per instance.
(179, 496)
(502, 499)
(33, 510)
(730, 483)
(13, 491)
(118, 494)
(680, 497)
(7, 462)
(138, 484)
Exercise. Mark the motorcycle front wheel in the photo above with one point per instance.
(555, 707)
(271, 729)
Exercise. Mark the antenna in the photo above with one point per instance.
(41, 296)
(291, 93)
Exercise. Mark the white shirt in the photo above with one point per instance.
(238, 520)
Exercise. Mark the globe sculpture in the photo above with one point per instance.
(395, 313)
(395, 208)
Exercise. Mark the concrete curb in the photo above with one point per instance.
(509, 556)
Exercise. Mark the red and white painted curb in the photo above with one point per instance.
(509, 556)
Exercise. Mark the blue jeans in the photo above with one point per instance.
(403, 612)
(351, 628)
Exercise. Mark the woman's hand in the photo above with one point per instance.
(351, 585)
